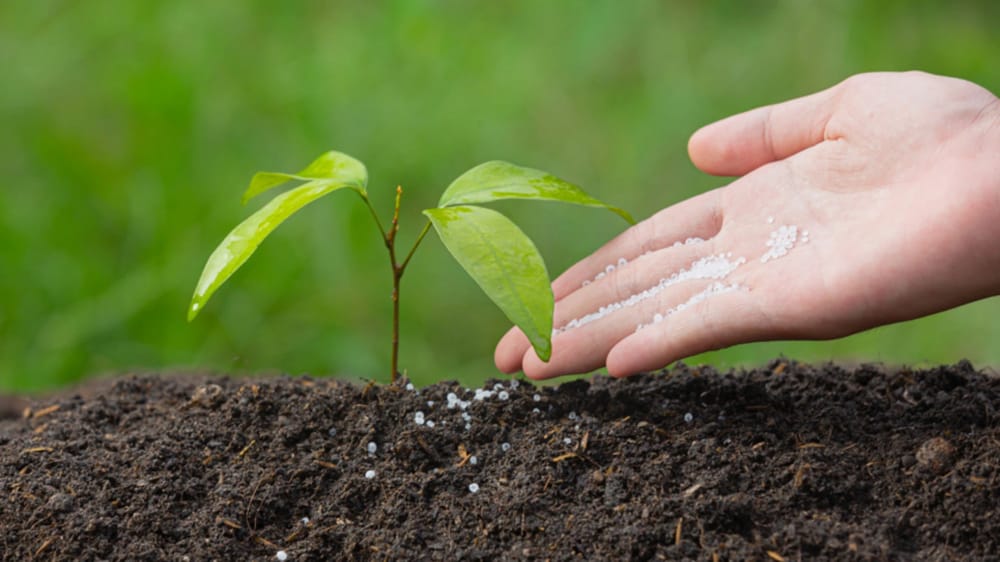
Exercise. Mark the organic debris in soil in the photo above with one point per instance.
(786, 462)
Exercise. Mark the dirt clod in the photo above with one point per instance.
(936, 454)
(787, 462)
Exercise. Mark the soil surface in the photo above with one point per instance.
(786, 462)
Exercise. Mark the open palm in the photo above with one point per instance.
(875, 201)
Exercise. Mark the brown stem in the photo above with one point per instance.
(397, 275)
(389, 237)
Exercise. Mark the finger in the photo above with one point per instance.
(697, 217)
(647, 275)
(642, 279)
(742, 143)
(621, 281)
(714, 322)
(510, 350)
(585, 348)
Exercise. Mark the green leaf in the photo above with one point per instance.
(505, 264)
(502, 180)
(334, 166)
(243, 241)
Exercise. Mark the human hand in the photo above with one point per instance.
(881, 199)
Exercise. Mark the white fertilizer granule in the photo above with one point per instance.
(455, 402)
(780, 242)
(688, 242)
(418, 418)
(370, 474)
(718, 266)
(474, 488)
(281, 555)
(372, 447)
(622, 262)
(716, 288)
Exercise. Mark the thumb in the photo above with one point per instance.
(742, 143)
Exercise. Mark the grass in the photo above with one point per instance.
(130, 127)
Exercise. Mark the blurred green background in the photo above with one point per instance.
(128, 131)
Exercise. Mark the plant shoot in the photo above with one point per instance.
(493, 250)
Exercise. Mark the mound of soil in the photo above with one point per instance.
(786, 462)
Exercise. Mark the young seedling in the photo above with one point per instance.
(493, 250)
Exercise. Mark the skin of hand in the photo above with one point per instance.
(896, 178)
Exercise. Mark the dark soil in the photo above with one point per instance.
(788, 462)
